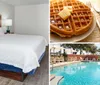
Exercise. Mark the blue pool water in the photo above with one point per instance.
(84, 73)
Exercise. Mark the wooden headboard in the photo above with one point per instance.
(0, 20)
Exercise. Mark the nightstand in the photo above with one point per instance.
(10, 33)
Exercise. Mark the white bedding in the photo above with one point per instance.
(21, 51)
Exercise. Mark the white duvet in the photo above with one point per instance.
(22, 51)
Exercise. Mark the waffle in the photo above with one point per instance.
(78, 23)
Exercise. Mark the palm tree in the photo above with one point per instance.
(80, 47)
(53, 48)
(93, 49)
(65, 55)
(77, 47)
(60, 52)
(99, 54)
(98, 50)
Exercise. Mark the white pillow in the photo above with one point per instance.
(1, 31)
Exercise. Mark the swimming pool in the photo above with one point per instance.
(84, 73)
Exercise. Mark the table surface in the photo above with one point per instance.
(95, 35)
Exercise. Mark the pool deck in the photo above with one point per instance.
(63, 63)
(52, 77)
(55, 80)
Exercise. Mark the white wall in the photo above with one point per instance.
(32, 19)
(7, 12)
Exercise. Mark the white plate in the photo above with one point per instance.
(96, 8)
(56, 38)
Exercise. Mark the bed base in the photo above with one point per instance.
(20, 76)
(13, 75)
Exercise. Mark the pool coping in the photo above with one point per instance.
(63, 64)
(60, 80)
(52, 77)
(56, 80)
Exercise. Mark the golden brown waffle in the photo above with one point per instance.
(78, 23)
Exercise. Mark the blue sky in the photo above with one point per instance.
(98, 45)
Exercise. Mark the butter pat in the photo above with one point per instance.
(69, 8)
(65, 13)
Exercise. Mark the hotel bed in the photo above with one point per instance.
(21, 53)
